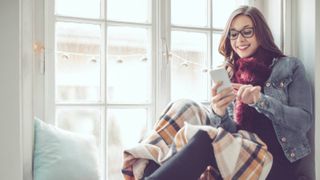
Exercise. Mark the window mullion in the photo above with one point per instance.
(162, 63)
(49, 86)
(131, 24)
(78, 19)
(196, 29)
(104, 118)
(210, 56)
(154, 56)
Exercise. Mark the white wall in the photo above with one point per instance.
(10, 125)
(304, 47)
(27, 102)
(317, 89)
(272, 12)
(305, 34)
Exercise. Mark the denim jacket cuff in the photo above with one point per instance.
(215, 119)
(262, 103)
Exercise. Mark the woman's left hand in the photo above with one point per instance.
(206, 175)
(247, 93)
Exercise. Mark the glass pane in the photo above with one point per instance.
(77, 62)
(129, 65)
(129, 10)
(189, 58)
(222, 9)
(217, 58)
(125, 128)
(82, 121)
(78, 8)
(189, 12)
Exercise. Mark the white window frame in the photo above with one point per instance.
(205, 30)
(49, 85)
(49, 34)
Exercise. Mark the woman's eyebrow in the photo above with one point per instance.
(241, 28)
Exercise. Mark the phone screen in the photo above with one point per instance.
(220, 74)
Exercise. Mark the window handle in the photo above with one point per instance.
(38, 49)
(166, 53)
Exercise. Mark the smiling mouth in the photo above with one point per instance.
(243, 47)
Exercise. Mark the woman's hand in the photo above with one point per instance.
(206, 175)
(247, 94)
(220, 101)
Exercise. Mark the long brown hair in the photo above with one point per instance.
(262, 33)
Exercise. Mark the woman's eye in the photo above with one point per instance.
(233, 34)
(247, 32)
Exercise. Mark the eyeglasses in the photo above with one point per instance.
(247, 32)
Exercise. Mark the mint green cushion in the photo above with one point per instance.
(63, 155)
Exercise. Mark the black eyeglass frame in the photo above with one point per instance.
(242, 32)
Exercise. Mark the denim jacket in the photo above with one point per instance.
(287, 102)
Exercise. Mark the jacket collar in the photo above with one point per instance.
(274, 61)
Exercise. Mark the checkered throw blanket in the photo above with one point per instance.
(241, 155)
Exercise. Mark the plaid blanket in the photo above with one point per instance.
(241, 155)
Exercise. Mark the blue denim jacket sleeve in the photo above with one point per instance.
(226, 122)
(297, 114)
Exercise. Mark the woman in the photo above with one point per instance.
(270, 96)
(273, 96)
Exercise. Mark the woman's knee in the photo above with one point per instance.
(185, 102)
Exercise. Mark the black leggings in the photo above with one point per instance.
(187, 164)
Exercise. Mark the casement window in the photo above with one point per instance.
(112, 65)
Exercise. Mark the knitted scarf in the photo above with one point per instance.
(255, 71)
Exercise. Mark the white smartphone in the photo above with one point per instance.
(220, 74)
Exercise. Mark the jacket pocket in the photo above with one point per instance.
(282, 83)
(280, 88)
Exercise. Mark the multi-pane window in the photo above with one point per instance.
(107, 78)
(196, 28)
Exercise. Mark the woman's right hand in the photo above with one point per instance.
(221, 100)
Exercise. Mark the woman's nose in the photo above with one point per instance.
(240, 38)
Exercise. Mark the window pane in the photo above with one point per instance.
(189, 12)
(129, 65)
(80, 120)
(125, 128)
(222, 10)
(189, 58)
(217, 58)
(85, 120)
(129, 10)
(77, 62)
(78, 8)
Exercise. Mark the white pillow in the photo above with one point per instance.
(63, 155)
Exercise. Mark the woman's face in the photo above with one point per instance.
(242, 36)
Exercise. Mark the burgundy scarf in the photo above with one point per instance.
(255, 71)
